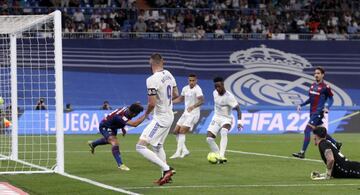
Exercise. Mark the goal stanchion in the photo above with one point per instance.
(31, 117)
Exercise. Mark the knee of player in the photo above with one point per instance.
(224, 132)
(209, 139)
(140, 147)
(157, 148)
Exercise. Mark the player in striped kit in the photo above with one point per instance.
(320, 100)
(109, 126)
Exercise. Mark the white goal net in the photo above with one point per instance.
(31, 102)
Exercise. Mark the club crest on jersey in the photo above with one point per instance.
(271, 76)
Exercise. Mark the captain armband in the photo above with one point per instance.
(151, 91)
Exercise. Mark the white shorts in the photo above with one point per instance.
(188, 120)
(154, 134)
(217, 123)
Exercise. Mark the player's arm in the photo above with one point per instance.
(238, 110)
(305, 103)
(329, 162)
(200, 102)
(308, 101)
(151, 103)
(152, 90)
(330, 99)
(136, 122)
(179, 99)
(175, 93)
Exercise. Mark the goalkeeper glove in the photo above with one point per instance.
(315, 175)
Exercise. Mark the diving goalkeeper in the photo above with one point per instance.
(337, 165)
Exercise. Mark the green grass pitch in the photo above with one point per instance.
(243, 174)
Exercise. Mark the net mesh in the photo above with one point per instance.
(35, 94)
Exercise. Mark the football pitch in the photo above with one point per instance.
(257, 164)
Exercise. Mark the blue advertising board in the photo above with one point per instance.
(261, 122)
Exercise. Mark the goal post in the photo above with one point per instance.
(31, 135)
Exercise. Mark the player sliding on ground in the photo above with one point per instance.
(108, 127)
(319, 94)
(222, 120)
(161, 90)
(194, 98)
(337, 165)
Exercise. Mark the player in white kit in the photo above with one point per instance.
(222, 120)
(161, 90)
(194, 98)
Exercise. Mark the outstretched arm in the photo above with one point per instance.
(178, 99)
(305, 103)
(137, 122)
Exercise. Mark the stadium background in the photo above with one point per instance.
(113, 60)
(116, 70)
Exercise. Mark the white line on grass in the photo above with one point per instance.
(272, 155)
(240, 186)
(99, 184)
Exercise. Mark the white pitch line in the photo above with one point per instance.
(99, 184)
(272, 155)
(240, 186)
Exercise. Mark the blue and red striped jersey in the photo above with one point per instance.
(116, 119)
(319, 94)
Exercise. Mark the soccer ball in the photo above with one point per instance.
(212, 157)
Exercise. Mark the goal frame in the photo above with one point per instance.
(59, 167)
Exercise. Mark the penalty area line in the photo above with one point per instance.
(95, 183)
(241, 186)
(273, 156)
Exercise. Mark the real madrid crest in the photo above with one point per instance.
(274, 77)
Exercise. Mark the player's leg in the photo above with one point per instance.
(178, 148)
(116, 152)
(307, 138)
(100, 141)
(152, 135)
(224, 141)
(189, 123)
(213, 129)
(182, 139)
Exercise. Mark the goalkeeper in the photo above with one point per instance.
(337, 165)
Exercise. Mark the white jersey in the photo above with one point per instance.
(161, 84)
(224, 104)
(191, 98)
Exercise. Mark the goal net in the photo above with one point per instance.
(31, 94)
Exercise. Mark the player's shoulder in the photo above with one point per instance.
(325, 144)
(151, 77)
(229, 94)
(326, 84)
(215, 93)
(198, 88)
(186, 87)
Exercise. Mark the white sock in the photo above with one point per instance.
(181, 143)
(223, 142)
(160, 152)
(184, 148)
(151, 156)
(212, 144)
